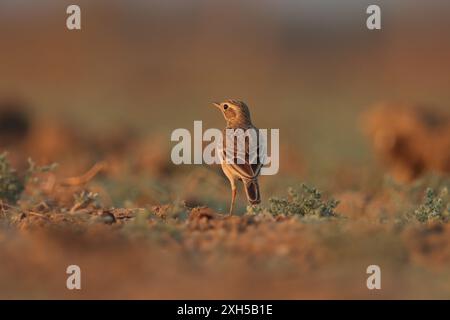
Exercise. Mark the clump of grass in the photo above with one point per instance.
(12, 184)
(435, 206)
(304, 202)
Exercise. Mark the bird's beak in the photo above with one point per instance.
(216, 104)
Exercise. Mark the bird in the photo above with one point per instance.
(243, 165)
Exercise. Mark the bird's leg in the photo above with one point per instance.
(233, 197)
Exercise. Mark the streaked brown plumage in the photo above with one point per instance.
(237, 116)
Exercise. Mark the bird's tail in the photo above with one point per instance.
(252, 191)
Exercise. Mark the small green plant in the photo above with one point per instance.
(303, 202)
(85, 199)
(34, 169)
(435, 206)
(11, 183)
(11, 186)
(255, 209)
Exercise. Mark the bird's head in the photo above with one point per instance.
(235, 112)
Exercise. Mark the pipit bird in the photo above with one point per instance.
(243, 165)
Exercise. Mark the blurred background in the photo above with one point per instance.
(144, 68)
(354, 107)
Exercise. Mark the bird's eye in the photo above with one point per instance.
(225, 106)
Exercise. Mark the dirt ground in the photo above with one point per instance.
(213, 256)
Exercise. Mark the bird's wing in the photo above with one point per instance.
(245, 159)
(261, 154)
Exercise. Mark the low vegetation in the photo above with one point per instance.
(303, 202)
(435, 206)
